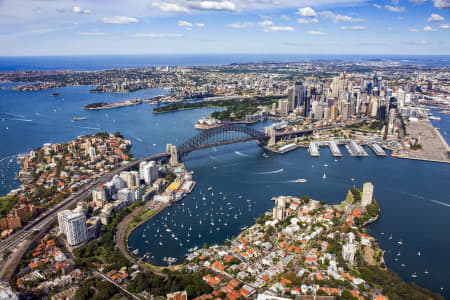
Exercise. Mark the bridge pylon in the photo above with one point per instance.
(172, 150)
(272, 136)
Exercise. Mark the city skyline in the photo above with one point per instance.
(253, 26)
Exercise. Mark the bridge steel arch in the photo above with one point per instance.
(220, 136)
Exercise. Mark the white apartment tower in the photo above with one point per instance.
(367, 194)
(73, 225)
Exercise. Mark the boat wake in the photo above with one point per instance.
(93, 128)
(440, 203)
(138, 139)
(14, 115)
(241, 154)
(271, 172)
(23, 120)
(8, 157)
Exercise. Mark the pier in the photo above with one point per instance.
(377, 149)
(314, 149)
(355, 149)
(334, 149)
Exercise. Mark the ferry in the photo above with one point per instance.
(301, 180)
(79, 118)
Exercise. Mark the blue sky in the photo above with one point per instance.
(59, 27)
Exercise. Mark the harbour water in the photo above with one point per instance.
(413, 195)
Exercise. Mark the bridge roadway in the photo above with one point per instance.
(15, 239)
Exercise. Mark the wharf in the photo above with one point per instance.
(377, 149)
(314, 149)
(334, 149)
(356, 149)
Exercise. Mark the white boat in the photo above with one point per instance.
(325, 165)
(414, 275)
(324, 176)
(209, 188)
(400, 242)
(168, 230)
(419, 254)
(426, 272)
(301, 180)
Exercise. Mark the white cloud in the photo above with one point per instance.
(92, 33)
(119, 20)
(278, 28)
(377, 5)
(285, 18)
(268, 26)
(418, 1)
(445, 26)
(199, 25)
(184, 24)
(307, 12)
(157, 35)
(443, 4)
(396, 9)
(315, 32)
(265, 17)
(265, 23)
(240, 25)
(435, 18)
(337, 18)
(307, 20)
(212, 5)
(429, 28)
(413, 30)
(170, 7)
(353, 28)
(79, 10)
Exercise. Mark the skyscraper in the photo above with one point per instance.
(148, 172)
(73, 225)
(291, 99)
(301, 97)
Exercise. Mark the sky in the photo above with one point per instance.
(94, 27)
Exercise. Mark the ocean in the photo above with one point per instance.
(94, 62)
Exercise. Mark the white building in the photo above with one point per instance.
(131, 178)
(148, 171)
(367, 194)
(73, 225)
(127, 195)
(348, 253)
(92, 153)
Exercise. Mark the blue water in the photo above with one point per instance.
(413, 195)
(92, 62)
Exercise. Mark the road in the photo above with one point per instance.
(104, 277)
